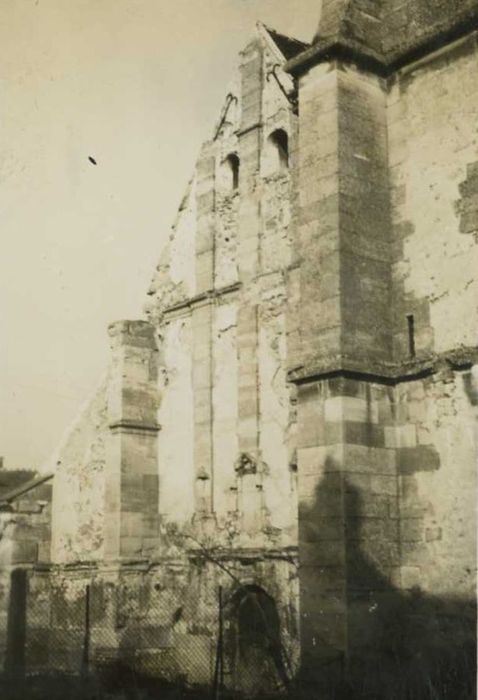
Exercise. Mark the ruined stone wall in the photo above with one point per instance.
(180, 474)
(105, 496)
(174, 278)
(222, 321)
(387, 530)
(436, 448)
(432, 112)
(79, 485)
(176, 489)
(344, 261)
(157, 620)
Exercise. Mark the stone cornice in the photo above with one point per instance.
(208, 297)
(383, 372)
(334, 49)
(146, 564)
(252, 554)
(351, 52)
(134, 426)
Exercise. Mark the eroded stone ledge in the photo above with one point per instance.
(385, 373)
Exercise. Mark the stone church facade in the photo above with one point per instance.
(294, 419)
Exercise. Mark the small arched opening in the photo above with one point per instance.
(255, 651)
(278, 147)
(231, 166)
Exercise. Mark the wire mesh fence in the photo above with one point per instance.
(105, 640)
(139, 638)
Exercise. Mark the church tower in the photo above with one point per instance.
(388, 259)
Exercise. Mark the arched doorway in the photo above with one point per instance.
(256, 658)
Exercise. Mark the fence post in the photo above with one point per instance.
(221, 642)
(16, 633)
(219, 668)
(86, 642)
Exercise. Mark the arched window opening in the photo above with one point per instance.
(232, 167)
(257, 658)
(279, 147)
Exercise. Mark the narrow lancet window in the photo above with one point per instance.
(279, 147)
(232, 165)
(411, 334)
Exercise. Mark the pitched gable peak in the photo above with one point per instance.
(288, 47)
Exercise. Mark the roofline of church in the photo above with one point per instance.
(374, 62)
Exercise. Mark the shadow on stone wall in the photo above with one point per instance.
(470, 385)
(402, 645)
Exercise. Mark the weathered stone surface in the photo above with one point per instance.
(388, 31)
(346, 262)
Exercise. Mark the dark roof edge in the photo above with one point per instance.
(25, 488)
(335, 49)
(374, 62)
(273, 32)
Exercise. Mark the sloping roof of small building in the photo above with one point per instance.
(12, 478)
(17, 482)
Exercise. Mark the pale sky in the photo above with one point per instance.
(137, 85)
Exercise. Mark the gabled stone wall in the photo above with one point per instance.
(297, 416)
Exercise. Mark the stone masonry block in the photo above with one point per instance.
(368, 485)
(131, 524)
(351, 409)
(320, 460)
(379, 506)
(412, 530)
(322, 553)
(369, 434)
(433, 534)
(322, 579)
(371, 460)
(371, 529)
(202, 375)
(423, 458)
(44, 551)
(132, 333)
(313, 484)
(132, 492)
(410, 577)
(131, 546)
(321, 528)
(323, 630)
(204, 271)
(24, 551)
(392, 438)
(205, 236)
(313, 504)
